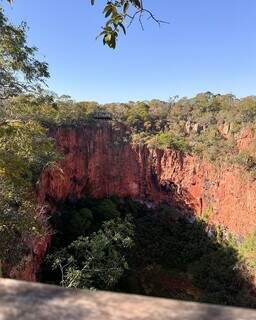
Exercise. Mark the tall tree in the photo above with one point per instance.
(25, 147)
(19, 69)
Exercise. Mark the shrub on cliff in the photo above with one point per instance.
(247, 161)
(247, 249)
(138, 115)
(211, 145)
(166, 140)
(50, 110)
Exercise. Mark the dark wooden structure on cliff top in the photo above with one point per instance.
(102, 115)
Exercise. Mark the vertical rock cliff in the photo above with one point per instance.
(100, 161)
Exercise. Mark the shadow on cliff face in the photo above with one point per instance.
(178, 256)
(174, 256)
(180, 261)
(179, 197)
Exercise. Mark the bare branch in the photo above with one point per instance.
(140, 13)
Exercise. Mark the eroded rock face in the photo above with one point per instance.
(98, 161)
(245, 140)
(30, 266)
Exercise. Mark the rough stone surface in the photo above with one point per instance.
(245, 140)
(99, 162)
(27, 301)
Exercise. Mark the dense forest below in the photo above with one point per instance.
(129, 246)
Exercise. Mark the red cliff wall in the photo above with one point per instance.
(98, 162)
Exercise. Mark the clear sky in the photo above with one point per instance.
(209, 45)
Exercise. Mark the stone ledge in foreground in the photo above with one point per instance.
(26, 301)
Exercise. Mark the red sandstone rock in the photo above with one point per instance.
(98, 163)
(245, 140)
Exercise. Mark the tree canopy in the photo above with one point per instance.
(25, 148)
(19, 69)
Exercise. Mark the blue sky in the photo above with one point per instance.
(209, 45)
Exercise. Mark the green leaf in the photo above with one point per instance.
(122, 26)
(108, 13)
(126, 7)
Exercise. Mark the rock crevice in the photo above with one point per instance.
(94, 164)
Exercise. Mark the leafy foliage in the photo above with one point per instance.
(248, 249)
(156, 252)
(19, 69)
(247, 161)
(25, 149)
(95, 254)
(117, 12)
(207, 125)
(165, 140)
(187, 125)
